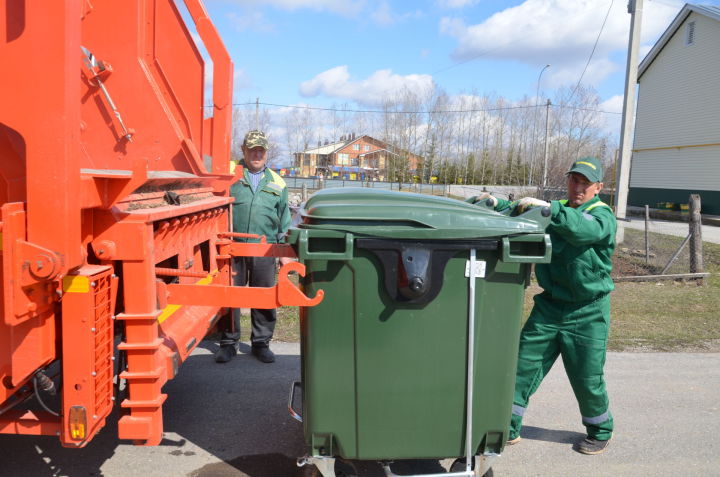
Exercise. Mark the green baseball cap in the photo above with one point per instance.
(590, 167)
(255, 139)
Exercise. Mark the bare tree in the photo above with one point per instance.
(247, 118)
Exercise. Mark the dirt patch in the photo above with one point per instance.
(627, 266)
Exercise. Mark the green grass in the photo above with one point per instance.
(668, 315)
(646, 316)
(287, 328)
(662, 315)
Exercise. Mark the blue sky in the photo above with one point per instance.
(334, 52)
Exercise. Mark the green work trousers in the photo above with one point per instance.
(579, 333)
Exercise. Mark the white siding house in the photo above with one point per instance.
(676, 150)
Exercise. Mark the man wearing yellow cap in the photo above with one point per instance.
(571, 317)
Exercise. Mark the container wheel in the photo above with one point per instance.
(459, 466)
(343, 468)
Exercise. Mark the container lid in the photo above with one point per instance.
(406, 215)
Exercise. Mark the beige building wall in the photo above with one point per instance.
(678, 113)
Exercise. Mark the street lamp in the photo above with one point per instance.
(532, 151)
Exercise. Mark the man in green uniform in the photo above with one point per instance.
(571, 317)
(261, 208)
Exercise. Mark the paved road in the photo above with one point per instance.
(710, 233)
(230, 421)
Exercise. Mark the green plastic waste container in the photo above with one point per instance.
(386, 355)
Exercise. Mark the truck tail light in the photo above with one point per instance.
(78, 422)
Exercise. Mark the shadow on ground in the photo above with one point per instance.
(550, 435)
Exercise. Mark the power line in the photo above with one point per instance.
(380, 111)
(602, 27)
(440, 111)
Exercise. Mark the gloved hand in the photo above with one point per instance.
(491, 200)
(527, 203)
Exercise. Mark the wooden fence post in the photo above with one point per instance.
(696, 255)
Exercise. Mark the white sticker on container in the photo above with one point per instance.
(479, 268)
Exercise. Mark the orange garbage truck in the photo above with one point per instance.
(115, 240)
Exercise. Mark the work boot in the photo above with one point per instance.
(591, 446)
(228, 349)
(512, 442)
(263, 354)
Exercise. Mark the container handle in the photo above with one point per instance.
(304, 252)
(508, 256)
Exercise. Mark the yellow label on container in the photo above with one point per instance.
(76, 284)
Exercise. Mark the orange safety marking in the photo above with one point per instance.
(170, 309)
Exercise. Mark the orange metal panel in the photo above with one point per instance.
(222, 86)
(41, 105)
(29, 422)
(28, 325)
(87, 341)
(156, 83)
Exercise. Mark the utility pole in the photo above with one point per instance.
(545, 156)
(257, 114)
(532, 151)
(623, 171)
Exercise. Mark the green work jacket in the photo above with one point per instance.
(263, 212)
(583, 242)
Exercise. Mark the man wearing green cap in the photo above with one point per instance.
(571, 317)
(261, 208)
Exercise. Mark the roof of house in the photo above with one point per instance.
(336, 146)
(706, 10)
(370, 153)
(326, 149)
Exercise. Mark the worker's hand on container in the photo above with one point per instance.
(527, 203)
(491, 200)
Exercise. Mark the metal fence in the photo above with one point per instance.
(652, 246)
(314, 184)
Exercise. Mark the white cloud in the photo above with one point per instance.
(568, 74)
(456, 3)
(612, 105)
(336, 83)
(383, 15)
(252, 20)
(342, 7)
(644, 50)
(560, 32)
(612, 122)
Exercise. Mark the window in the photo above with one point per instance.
(367, 147)
(356, 147)
(343, 159)
(690, 33)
